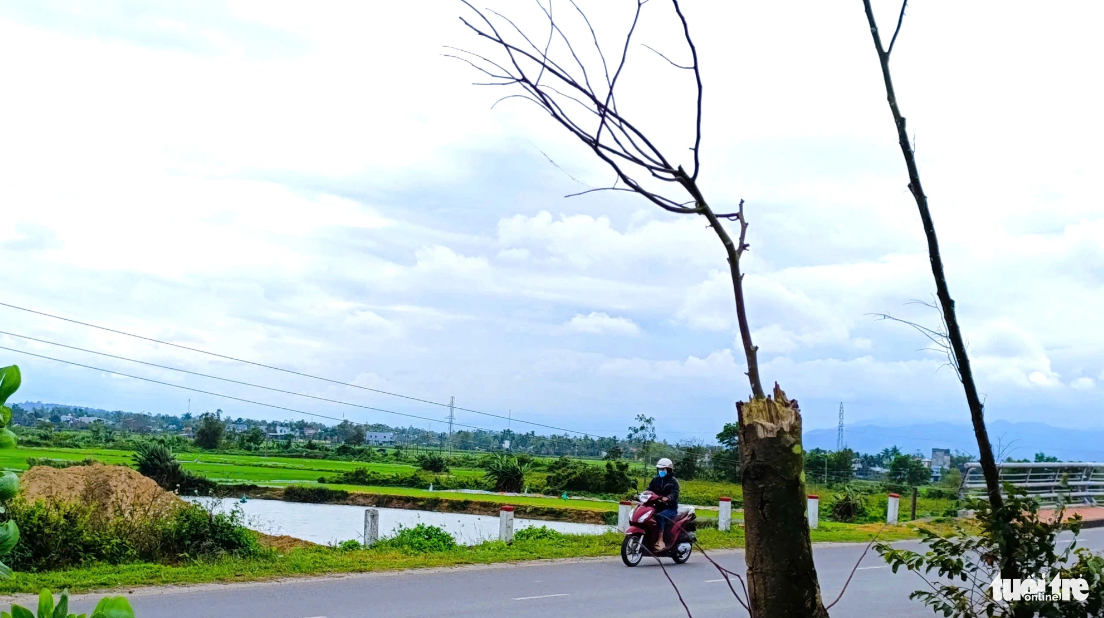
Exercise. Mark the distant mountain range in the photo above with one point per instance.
(1016, 440)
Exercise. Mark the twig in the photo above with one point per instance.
(668, 575)
(856, 568)
(900, 20)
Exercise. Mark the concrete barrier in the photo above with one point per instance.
(814, 511)
(724, 514)
(624, 510)
(506, 524)
(893, 508)
(371, 526)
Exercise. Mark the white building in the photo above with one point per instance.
(379, 438)
(276, 432)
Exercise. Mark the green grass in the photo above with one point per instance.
(325, 560)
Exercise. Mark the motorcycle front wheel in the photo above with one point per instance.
(682, 553)
(632, 550)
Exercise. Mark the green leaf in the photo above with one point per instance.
(9, 486)
(45, 604)
(5, 571)
(9, 536)
(5, 615)
(19, 611)
(62, 609)
(9, 382)
(5, 415)
(7, 438)
(113, 607)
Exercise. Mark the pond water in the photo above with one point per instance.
(333, 523)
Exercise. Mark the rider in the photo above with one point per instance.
(666, 485)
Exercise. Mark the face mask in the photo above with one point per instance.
(662, 473)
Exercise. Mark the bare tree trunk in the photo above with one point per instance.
(946, 303)
(782, 579)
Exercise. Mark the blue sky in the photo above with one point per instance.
(318, 188)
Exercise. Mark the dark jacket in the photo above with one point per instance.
(666, 486)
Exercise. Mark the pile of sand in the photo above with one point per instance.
(113, 490)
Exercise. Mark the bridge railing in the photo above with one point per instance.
(1049, 483)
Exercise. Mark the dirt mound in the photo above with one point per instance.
(283, 543)
(113, 490)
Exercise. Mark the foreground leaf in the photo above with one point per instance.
(113, 607)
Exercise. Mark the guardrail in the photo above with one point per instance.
(1049, 483)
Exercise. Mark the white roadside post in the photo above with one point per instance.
(371, 527)
(892, 508)
(623, 511)
(724, 514)
(506, 524)
(814, 511)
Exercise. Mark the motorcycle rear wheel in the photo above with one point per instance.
(632, 550)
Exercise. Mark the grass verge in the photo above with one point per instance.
(327, 560)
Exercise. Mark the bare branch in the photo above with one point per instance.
(697, 78)
(900, 20)
(600, 189)
(672, 62)
(856, 567)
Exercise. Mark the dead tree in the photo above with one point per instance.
(953, 333)
(581, 96)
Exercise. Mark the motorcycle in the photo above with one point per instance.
(643, 531)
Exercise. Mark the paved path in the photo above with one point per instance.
(594, 587)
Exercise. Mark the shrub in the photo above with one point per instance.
(364, 476)
(432, 462)
(60, 535)
(506, 473)
(59, 463)
(848, 506)
(573, 475)
(157, 461)
(316, 495)
(419, 539)
(350, 545)
(10, 379)
(543, 533)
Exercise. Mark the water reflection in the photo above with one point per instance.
(333, 523)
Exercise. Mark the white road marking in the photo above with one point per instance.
(868, 568)
(542, 596)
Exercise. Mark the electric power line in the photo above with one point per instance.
(213, 394)
(289, 371)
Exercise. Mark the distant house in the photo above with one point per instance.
(238, 427)
(67, 418)
(310, 432)
(276, 432)
(88, 420)
(940, 462)
(379, 438)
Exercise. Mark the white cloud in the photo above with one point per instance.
(1083, 383)
(601, 324)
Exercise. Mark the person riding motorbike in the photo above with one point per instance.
(666, 485)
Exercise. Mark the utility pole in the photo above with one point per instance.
(452, 417)
(839, 433)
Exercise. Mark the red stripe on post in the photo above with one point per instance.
(814, 497)
(508, 508)
(626, 503)
(894, 495)
(726, 499)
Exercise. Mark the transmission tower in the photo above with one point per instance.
(839, 432)
(452, 417)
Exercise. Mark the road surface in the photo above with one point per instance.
(591, 587)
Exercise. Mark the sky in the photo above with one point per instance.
(318, 187)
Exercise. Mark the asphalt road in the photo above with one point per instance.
(593, 587)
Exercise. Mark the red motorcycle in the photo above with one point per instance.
(643, 531)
